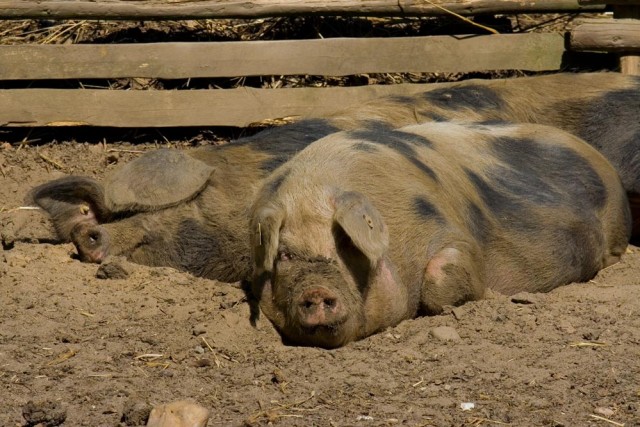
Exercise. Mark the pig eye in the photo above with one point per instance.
(284, 256)
(94, 237)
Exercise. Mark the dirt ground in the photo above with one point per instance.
(99, 350)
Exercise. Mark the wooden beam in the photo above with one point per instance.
(608, 35)
(202, 9)
(612, 2)
(629, 63)
(331, 57)
(218, 107)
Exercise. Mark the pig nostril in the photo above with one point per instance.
(329, 302)
(308, 304)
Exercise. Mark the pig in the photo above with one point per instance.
(203, 231)
(366, 228)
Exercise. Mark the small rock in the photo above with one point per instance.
(524, 298)
(47, 413)
(112, 269)
(202, 363)
(467, 406)
(199, 349)
(199, 330)
(135, 413)
(605, 412)
(458, 312)
(445, 333)
(179, 414)
(565, 326)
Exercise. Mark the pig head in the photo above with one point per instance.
(340, 295)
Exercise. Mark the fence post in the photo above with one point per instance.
(629, 62)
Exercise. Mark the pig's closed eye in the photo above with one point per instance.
(284, 256)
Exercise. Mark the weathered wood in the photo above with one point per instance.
(612, 2)
(608, 35)
(201, 9)
(218, 107)
(332, 57)
(629, 63)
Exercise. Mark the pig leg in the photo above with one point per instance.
(453, 276)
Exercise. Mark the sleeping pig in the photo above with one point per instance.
(365, 228)
(187, 210)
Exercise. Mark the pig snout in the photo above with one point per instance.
(319, 306)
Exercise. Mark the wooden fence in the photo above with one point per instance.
(243, 106)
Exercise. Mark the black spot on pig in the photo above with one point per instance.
(426, 210)
(478, 223)
(403, 100)
(607, 121)
(430, 115)
(424, 168)
(511, 210)
(274, 184)
(285, 141)
(365, 147)
(402, 142)
(382, 133)
(471, 96)
(529, 163)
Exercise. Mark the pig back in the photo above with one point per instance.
(544, 208)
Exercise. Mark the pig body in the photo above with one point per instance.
(366, 228)
(205, 234)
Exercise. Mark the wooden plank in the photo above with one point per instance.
(218, 107)
(202, 9)
(629, 63)
(608, 35)
(332, 57)
(612, 2)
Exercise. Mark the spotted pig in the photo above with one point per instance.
(206, 234)
(365, 228)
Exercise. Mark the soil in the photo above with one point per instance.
(91, 351)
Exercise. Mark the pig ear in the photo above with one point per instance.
(70, 190)
(265, 237)
(363, 224)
